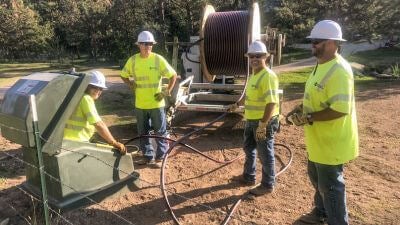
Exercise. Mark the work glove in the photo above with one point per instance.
(232, 107)
(298, 119)
(161, 95)
(261, 132)
(298, 110)
(121, 147)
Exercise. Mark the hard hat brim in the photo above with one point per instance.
(335, 39)
(96, 85)
(258, 53)
(154, 42)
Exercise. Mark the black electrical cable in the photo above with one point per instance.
(179, 142)
(226, 41)
(188, 47)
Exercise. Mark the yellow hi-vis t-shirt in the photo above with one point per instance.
(331, 85)
(262, 88)
(147, 74)
(80, 126)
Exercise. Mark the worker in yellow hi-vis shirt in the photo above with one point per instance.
(262, 121)
(85, 120)
(143, 73)
(328, 115)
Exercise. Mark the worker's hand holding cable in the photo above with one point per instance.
(161, 95)
(121, 147)
(296, 110)
(298, 119)
(261, 132)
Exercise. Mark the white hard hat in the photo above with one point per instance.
(97, 79)
(326, 29)
(257, 47)
(146, 36)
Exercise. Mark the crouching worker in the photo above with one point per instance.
(85, 120)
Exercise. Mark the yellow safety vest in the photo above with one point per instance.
(262, 88)
(331, 85)
(147, 74)
(80, 127)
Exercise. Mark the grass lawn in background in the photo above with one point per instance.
(11, 72)
(290, 55)
(294, 81)
(380, 56)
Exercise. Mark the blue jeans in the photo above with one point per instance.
(147, 118)
(330, 191)
(265, 151)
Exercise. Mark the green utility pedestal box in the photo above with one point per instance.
(77, 173)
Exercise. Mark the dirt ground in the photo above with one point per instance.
(201, 191)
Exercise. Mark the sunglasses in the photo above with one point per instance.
(255, 56)
(98, 88)
(317, 41)
(146, 43)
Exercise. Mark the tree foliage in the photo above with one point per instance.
(21, 31)
(109, 28)
(359, 18)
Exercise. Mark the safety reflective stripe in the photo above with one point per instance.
(339, 97)
(157, 62)
(336, 98)
(89, 116)
(259, 80)
(165, 71)
(328, 75)
(157, 65)
(142, 78)
(307, 96)
(154, 85)
(254, 107)
(76, 127)
(262, 98)
(133, 67)
(321, 86)
(256, 101)
(269, 92)
(77, 119)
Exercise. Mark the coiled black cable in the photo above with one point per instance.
(225, 42)
(179, 142)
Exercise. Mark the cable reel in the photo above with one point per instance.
(226, 37)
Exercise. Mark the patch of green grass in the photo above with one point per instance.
(396, 70)
(11, 72)
(381, 56)
(290, 55)
(299, 76)
(297, 79)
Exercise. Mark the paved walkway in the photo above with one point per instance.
(295, 66)
(348, 49)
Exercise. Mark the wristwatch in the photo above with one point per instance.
(310, 119)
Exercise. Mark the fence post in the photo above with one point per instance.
(40, 157)
(175, 53)
(279, 50)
